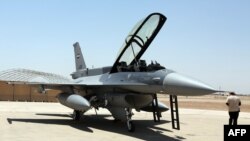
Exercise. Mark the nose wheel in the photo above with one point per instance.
(130, 124)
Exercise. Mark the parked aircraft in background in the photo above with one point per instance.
(130, 83)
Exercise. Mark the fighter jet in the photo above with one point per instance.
(130, 83)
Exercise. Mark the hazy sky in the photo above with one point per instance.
(207, 40)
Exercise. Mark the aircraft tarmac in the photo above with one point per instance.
(37, 121)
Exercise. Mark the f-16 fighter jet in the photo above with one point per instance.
(130, 83)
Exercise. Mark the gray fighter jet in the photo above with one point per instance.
(130, 83)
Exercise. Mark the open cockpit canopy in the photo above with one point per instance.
(138, 40)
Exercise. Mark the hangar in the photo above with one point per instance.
(22, 92)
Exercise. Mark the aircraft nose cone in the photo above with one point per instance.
(178, 84)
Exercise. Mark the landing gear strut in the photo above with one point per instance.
(156, 112)
(77, 115)
(130, 124)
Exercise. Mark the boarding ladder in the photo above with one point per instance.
(174, 112)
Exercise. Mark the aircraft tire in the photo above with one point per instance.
(131, 126)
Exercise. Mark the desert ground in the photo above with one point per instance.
(201, 118)
(208, 102)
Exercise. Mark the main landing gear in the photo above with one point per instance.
(130, 124)
(77, 115)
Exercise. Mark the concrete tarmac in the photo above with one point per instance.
(30, 121)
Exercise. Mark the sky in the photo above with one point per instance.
(208, 40)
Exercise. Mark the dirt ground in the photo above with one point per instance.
(209, 102)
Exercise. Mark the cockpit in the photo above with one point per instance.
(136, 43)
(141, 66)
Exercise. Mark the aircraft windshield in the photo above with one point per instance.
(139, 39)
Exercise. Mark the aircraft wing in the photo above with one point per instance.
(43, 80)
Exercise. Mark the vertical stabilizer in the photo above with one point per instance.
(80, 64)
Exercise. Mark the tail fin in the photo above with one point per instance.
(80, 64)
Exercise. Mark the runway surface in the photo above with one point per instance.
(30, 121)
